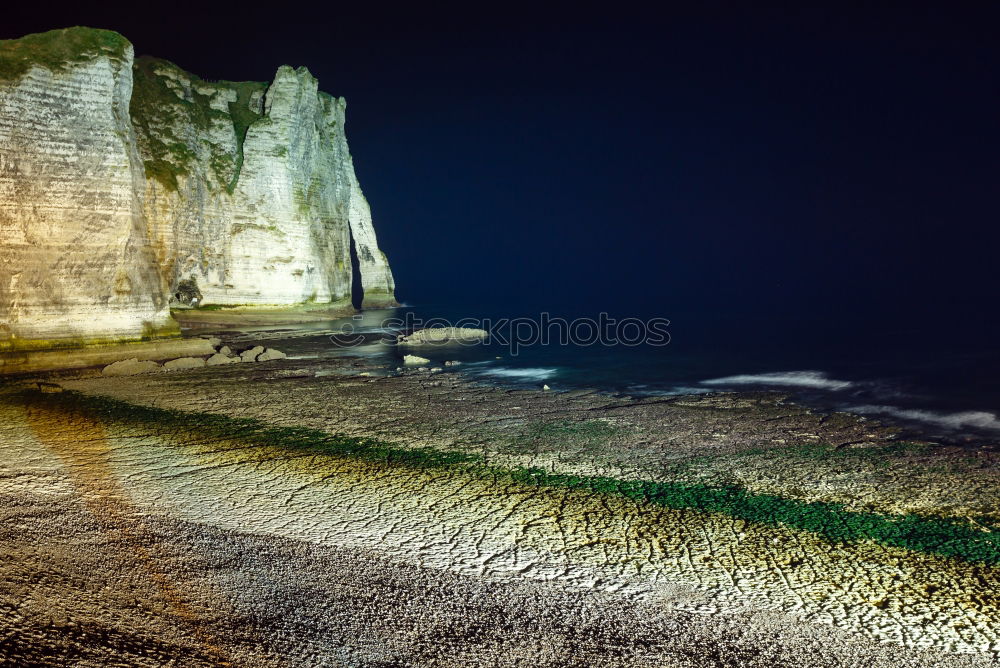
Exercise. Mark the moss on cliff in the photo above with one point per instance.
(57, 50)
(159, 112)
(154, 110)
(243, 117)
(150, 332)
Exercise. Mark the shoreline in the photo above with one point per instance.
(239, 326)
(20, 364)
(760, 429)
(970, 427)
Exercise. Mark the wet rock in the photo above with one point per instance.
(225, 350)
(184, 363)
(130, 367)
(414, 360)
(221, 358)
(293, 373)
(271, 354)
(452, 363)
(252, 354)
(440, 335)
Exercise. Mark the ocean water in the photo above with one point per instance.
(944, 386)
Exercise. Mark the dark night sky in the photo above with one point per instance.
(840, 162)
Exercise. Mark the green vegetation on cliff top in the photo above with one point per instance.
(157, 110)
(58, 49)
(243, 117)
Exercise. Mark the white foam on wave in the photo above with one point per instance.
(684, 389)
(958, 421)
(678, 390)
(814, 379)
(534, 373)
(373, 349)
(378, 330)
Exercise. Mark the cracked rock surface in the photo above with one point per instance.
(146, 540)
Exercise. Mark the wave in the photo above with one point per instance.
(678, 390)
(367, 349)
(814, 379)
(684, 389)
(534, 373)
(957, 421)
(377, 330)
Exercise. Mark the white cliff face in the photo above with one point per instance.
(75, 260)
(119, 182)
(261, 218)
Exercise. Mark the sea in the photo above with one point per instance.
(933, 382)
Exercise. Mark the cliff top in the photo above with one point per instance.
(158, 103)
(162, 94)
(57, 49)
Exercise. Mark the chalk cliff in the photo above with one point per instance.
(120, 179)
(75, 259)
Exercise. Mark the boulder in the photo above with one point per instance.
(221, 358)
(443, 335)
(414, 360)
(225, 350)
(546, 387)
(130, 367)
(251, 354)
(271, 354)
(184, 363)
(452, 363)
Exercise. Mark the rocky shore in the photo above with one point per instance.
(338, 511)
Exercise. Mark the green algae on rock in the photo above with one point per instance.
(448, 511)
(948, 537)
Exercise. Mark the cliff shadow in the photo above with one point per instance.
(357, 289)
